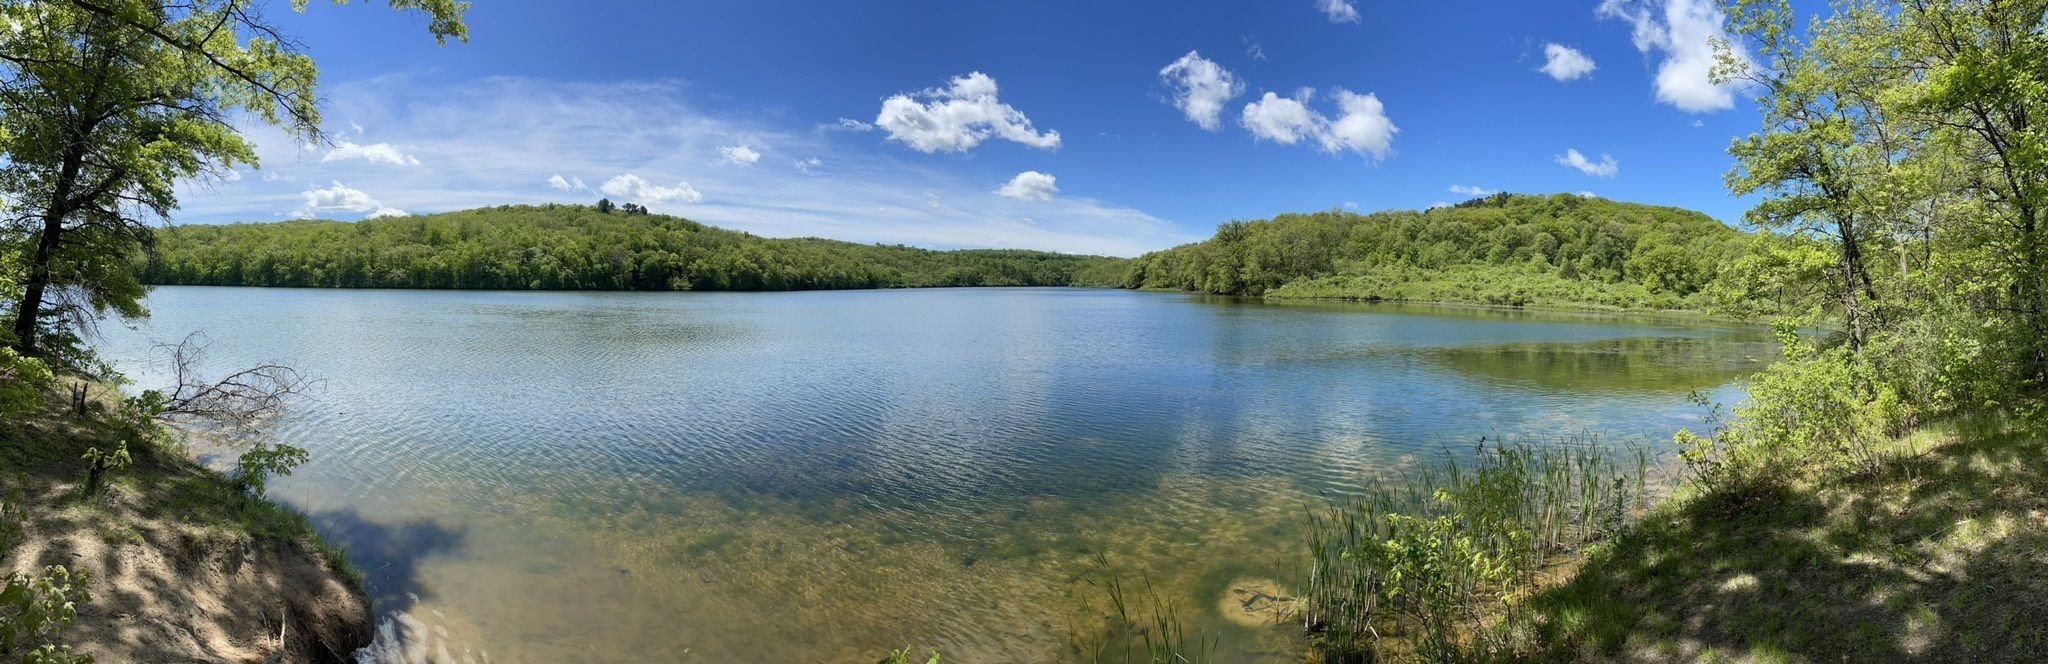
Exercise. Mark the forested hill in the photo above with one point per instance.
(1560, 249)
(574, 247)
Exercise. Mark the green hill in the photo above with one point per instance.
(1559, 250)
(574, 247)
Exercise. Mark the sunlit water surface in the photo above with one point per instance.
(719, 477)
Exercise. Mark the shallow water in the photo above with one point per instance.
(821, 476)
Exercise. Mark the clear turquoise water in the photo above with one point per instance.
(537, 477)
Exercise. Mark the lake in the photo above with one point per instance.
(822, 476)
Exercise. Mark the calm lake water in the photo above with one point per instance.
(821, 476)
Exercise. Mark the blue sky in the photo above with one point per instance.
(1074, 126)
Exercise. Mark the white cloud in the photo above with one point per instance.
(958, 117)
(1607, 167)
(740, 155)
(1474, 192)
(342, 198)
(557, 183)
(375, 153)
(1361, 126)
(1280, 119)
(1200, 88)
(1588, 194)
(630, 187)
(1565, 63)
(1684, 32)
(1030, 186)
(357, 128)
(1339, 11)
(1252, 48)
(808, 163)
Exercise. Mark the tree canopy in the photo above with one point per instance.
(105, 105)
(1504, 249)
(575, 247)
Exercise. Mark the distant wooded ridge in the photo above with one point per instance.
(1502, 249)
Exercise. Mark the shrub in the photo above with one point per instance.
(22, 383)
(256, 466)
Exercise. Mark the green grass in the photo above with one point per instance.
(1938, 553)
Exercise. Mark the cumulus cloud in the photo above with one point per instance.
(1683, 33)
(808, 163)
(1339, 11)
(375, 153)
(1361, 125)
(1565, 63)
(558, 183)
(1474, 192)
(630, 187)
(1030, 186)
(958, 117)
(739, 155)
(1607, 167)
(342, 198)
(1200, 88)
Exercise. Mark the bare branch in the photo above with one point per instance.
(243, 399)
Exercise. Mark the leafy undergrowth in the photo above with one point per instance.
(1936, 553)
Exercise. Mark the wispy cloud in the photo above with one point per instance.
(1338, 11)
(507, 141)
(375, 153)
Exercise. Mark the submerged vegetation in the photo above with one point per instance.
(575, 247)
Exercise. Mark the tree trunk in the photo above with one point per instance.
(1854, 280)
(30, 309)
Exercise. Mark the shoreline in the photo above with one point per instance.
(183, 565)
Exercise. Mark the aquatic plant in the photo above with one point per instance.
(1152, 633)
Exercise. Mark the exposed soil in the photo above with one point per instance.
(183, 568)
